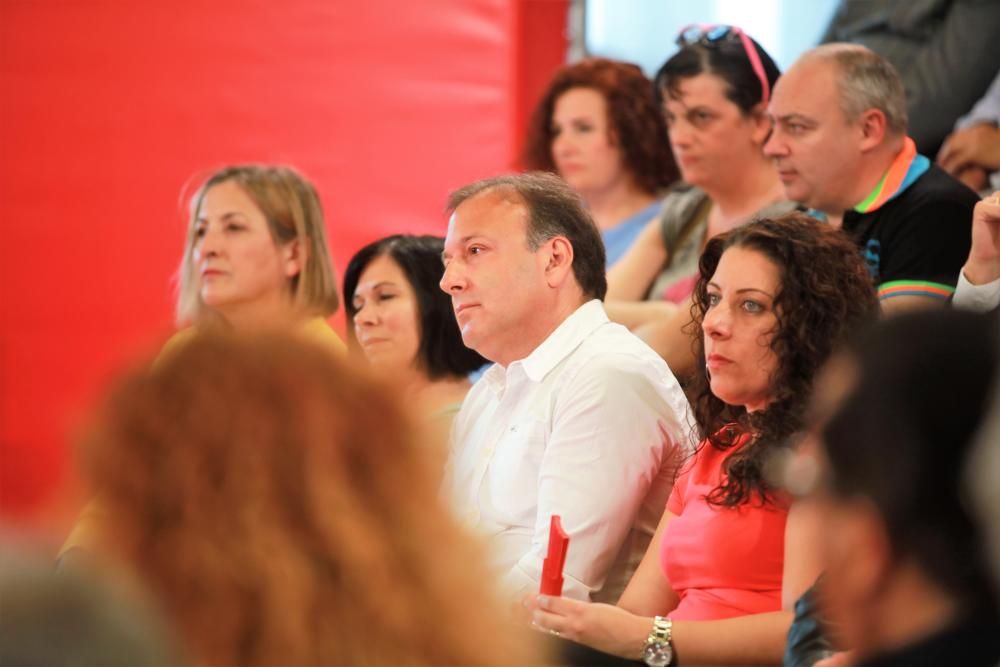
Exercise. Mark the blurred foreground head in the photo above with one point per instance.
(50, 619)
(274, 501)
(905, 556)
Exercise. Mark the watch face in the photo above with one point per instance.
(658, 655)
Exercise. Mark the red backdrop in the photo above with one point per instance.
(110, 108)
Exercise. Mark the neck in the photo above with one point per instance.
(746, 191)
(523, 343)
(912, 607)
(261, 315)
(434, 395)
(619, 202)
(865, 175)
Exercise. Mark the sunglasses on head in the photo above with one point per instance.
(711, 35)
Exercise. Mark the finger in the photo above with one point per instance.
(559, 605)
(945, 151)
(553, 624)
(954, 161)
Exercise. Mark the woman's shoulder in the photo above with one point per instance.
(318, 330)
(681, 197)
(181, 339)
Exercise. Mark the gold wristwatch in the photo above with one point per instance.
(659, 650)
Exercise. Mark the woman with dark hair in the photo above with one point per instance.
(404, 324)
(714, 93)
(599, 127)
(772, 300)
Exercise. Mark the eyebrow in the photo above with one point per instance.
(462, 241)
(789, 117)
(382, 283)
(743, 290)
(225, 216)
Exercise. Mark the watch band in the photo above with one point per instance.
(659, 649)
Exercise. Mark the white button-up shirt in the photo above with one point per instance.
(573, 429)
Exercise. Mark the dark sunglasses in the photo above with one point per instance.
(711, 35)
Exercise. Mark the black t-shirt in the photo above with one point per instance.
(923, 235)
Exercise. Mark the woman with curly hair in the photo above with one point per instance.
(773, 299)
(278, 507)
(599, 127)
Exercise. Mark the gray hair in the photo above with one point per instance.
(865, 81)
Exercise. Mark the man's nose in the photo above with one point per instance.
(453, 279)
(775, 145)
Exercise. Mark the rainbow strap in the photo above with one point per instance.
(904, 170)
(914, 288)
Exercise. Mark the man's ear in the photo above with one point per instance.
(293, 256)
(559, 264)
(872, 124)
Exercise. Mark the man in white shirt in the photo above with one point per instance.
(577, 417)
(978, 286)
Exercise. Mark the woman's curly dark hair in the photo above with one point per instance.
(825, 294)
(635, 120)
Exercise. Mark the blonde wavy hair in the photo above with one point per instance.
(276, 502)
(292, 208)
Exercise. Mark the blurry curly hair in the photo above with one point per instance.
(635, 120)
(825, 295)
(277, 503)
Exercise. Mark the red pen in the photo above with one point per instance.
(552, 568)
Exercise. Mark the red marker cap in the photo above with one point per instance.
(552, 568)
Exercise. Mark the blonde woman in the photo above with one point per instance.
(255, 258)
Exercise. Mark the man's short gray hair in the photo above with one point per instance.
(865, 81)
(553, 209)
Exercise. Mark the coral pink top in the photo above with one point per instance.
(722, 562)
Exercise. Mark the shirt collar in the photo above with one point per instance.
(557, 346)
(906, 168)
(566, 338)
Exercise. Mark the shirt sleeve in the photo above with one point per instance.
(924, 255)
(602, 456)
(987, 109)
(977, 298)
(678, 495)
